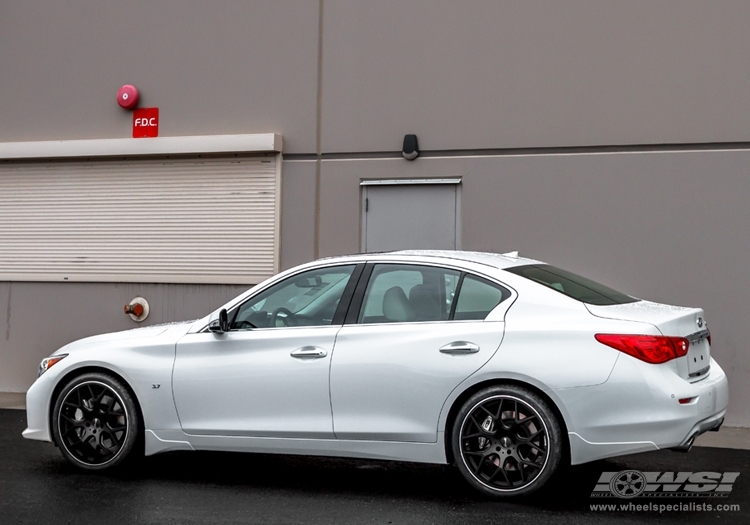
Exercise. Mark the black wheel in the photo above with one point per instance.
(95, 422)
(506, 441)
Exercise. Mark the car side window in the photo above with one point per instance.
(399, 293)
(477, 297)
(306, 299)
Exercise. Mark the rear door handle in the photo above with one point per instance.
(309, 352)
(460, 347)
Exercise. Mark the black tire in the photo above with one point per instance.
(506, 441)
(95, 422)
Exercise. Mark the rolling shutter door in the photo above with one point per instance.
(184, 220)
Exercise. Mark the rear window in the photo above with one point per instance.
(572, 285)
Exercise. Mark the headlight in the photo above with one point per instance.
(49, 362)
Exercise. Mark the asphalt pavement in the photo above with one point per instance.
(38, 486)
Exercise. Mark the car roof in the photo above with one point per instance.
(495, 260)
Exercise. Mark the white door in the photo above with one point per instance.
(420, 333)
(268, 376)
(410, 216)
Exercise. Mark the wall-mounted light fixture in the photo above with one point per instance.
(410, 151)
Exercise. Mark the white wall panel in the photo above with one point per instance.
(199, 220)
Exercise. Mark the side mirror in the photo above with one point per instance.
(219, 324)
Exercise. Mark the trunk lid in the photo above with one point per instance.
(679, 321)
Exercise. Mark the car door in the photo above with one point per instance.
(267, 376)
(419, 331)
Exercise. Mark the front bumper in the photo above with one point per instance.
(38, 409)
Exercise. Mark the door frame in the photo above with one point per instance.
(366, 183)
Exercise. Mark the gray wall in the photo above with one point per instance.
(502, 74)
(671, 227)
(462, 75)
(38, 318)
(210, 67)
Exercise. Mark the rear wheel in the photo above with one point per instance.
(95, 421)
(506, 441)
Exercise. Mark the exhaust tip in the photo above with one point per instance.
(687, 445)
(717, 427)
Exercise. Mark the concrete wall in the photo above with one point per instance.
(666, 226)
(298, 241)
(38, 318)
(210, 67)
(531, 73)
(462, 75)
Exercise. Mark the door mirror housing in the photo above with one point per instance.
(219, 323)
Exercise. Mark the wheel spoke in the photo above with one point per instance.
(499, 409)
(498, 469)
(505, 474)
(477, 424)
(540, 449)
(529, 438)
(73, 421)
(110, 404)
(528, 463)
(106, 451)
(520, 471)
(101, 395)
(91, 391)
(68, 431)
(113, 438)
(486, 410)
(478, 466)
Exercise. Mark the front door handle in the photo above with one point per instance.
(309, 352)
(460, 347)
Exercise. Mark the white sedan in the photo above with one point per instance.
(501, 365)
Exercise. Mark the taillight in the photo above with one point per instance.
(649, 348)
(709, 336)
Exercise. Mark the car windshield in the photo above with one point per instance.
(572, 285)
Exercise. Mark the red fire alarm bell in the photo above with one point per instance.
(127, 96)
(145, 123)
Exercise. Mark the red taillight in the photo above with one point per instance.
(649, 348)
(709, 336)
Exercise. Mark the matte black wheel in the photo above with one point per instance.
(95, 421)
(506, 441)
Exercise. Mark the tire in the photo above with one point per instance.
(506, 441)
(95, 422)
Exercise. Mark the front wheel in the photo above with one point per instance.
(95, 421)
(506, 441)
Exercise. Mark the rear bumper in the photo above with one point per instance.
(638, 410)
(712, 423)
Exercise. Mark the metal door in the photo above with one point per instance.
(409, 214)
